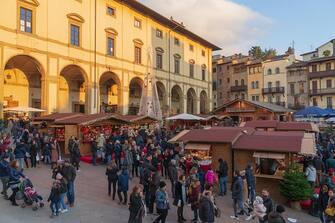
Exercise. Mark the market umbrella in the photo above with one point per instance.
(186, 117)
(23, 109)
(312, 111)
(331, 120)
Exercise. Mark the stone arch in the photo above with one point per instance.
(135, 94)
(204, 102)
(191, 101)
(23, 75)
(162, 96)
(73, 90)
(110, 93)
(177, 100)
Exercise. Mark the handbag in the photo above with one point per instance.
(330, 211)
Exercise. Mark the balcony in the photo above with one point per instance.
(238, 88)
(280, 103)
(323, 91)
(321, 74)
(274, 90)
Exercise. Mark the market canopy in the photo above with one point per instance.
(186, 117)
(313, 111)
(23, 109)
(331, 120)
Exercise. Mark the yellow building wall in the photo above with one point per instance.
(49, 46)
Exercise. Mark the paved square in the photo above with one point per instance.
(94, 206)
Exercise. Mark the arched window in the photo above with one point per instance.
(252, 85)
(269, 71)
(203, 72)
(277, 70)
(256, 85)
(242, 82)
(159, 58)
(192, 68)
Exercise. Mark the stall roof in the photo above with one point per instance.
(269, 143)
(281, 126)
(279, 133)
(261, 124)
(57, 116)
(85, 119)
(177, 137)
(135, 118)
(185, 117)
(222, 135)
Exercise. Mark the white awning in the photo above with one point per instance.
(196, 146)
(308, 144)
(276, 156)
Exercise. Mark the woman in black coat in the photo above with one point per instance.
(206, 208)
(180, 198)
(112, 176)
(136, 206)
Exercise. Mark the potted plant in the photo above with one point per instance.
(295, 186)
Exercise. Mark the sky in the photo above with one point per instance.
(236, 25)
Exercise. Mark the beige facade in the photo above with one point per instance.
(64, 56)
(275, 79)
(297, 84)
(239, 78)
(255, 80)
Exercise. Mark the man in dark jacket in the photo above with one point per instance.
(173, 175)
(237, 195)
(69, 173)
(153, 187)
(268, 203)
(249, 175)
(4, 175)
(20, 153)
(94, 151)
(223, 176)
(206, 209)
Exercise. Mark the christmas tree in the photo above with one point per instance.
(295, 186)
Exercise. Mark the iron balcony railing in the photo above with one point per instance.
(273, 90)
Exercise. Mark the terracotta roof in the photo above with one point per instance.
(139, 7)
(57, 116)
(294, 126)
(298, 64)
(84, 120)
(261, 124)
(269, 143)
(223, 135)
(244, 129)
(328, 73)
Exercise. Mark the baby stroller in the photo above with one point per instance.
(28, 194)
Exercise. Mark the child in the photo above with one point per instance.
(54, 198)
(259, 210)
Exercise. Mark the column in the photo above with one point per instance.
(88, 101)
(184, 98)
(49, 94)
(197, 107)
(94, 98)
(124, 107)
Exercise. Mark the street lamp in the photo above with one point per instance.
(169, 82)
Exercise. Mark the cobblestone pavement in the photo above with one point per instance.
(94, 206)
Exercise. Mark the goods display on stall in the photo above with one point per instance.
(60, 134)
(200, 153)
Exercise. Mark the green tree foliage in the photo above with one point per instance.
(326, 53)
(295, 186)
(256, 52)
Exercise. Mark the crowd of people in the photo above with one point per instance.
(144, 155)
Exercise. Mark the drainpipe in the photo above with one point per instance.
(95, 54)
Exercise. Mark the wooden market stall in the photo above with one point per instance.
(273, 125)
(271, 153)
(88, 127)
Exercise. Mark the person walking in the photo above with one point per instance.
(251, 183)
(237, 195)
(194, 195)
(162, 203)
(15, 177)
(223, 177)
(47, 153)
(112, 176)
(173, 176)
(181, 198)
(76, 154)
(69, 173)
(207, 208)
(123, 186)
(55, 153)
(210, 177)
(63, 192)
(4, 175)
(34, 148)
(153, 187)
(54, 198)
(20, 153)
(311, 174)
(136, 206)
